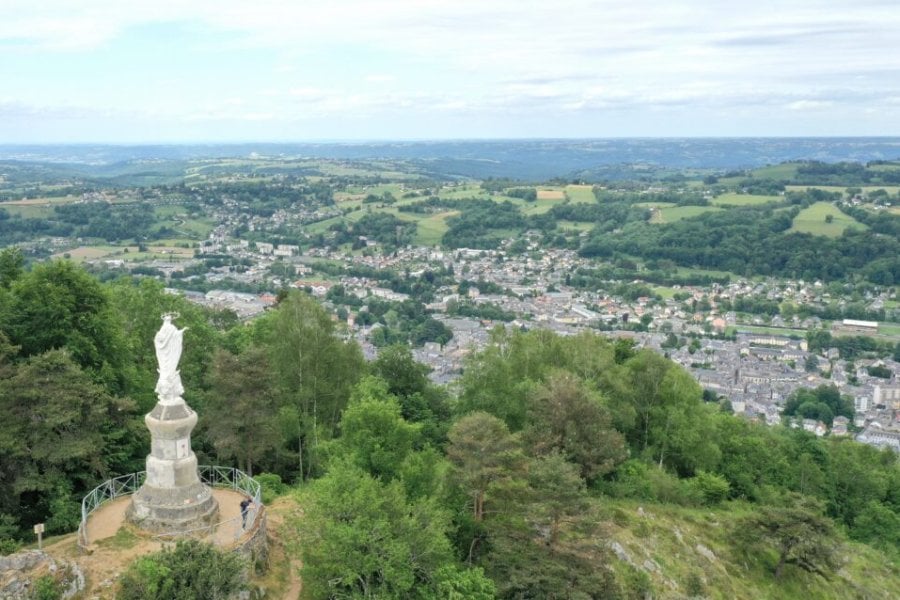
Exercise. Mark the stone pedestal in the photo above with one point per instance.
(172, 499)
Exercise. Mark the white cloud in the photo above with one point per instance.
(810, 104)
(495, 57)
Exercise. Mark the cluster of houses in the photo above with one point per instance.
(756, 370)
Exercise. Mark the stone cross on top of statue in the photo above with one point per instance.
(168, 353)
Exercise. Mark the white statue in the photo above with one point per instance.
(168, 353)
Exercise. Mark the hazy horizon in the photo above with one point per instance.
(169, 72)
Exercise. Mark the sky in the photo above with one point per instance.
(170, 71)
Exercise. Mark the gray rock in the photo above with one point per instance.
(651, 566)
(620, 552)
(706, 552)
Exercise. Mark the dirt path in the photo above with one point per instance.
(106, 520)
(293, 592)
(278, 534)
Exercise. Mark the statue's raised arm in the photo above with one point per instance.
(168, 353)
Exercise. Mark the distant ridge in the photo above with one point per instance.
(533, 159)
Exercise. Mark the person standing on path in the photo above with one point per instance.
(245, 508)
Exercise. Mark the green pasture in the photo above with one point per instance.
(783, 331)
(52, 200)
(654, 204)
(891, 166)
(575, 225)
(192, 228)
(890, 189)
(785, 171)
(664, 291)
(538, 207)
(709, 272)
(432, 228)
(733, 199)
(459, 192)
(677, 213)
(29, 211)
(812, 220)
(83, 253)
(581, 194)
(362, 191)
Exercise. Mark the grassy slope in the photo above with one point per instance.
(671, 537)
(581, 194)
(671, 544)
(733, 199)
(676, 213)
(812, 220)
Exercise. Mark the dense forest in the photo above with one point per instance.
(495, 488)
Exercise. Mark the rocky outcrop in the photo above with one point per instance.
(20, 571)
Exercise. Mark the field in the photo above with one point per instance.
(581, 194)
(655, 204)
(432, 228)
(127, 253)
(664, 291)
(733, 199)
(783, 331)
(891, 189)
(676, 213)
(575, 225)
(553, 194)
(28, 211)
(41, 201)
(812, 220)
(785, 171)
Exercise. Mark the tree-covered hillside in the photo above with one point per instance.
(530, 479)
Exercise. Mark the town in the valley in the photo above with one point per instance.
(391, 262)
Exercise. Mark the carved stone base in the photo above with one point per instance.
(173, 510)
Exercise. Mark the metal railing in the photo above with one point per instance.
(213, 476)
(124, 485)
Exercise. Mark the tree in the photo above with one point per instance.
(454, 583)
(420, 401)
(374, 435)
(483, 453)
(12, 263)
(59, 305)
(241, 413)
(799, 535)
(646, 370)
(557, 494)
(61, 434)
(822, 404)
(564, 416)
(364, 539)
(193, 570)
(314, 371)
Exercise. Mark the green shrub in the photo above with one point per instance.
(46, 588)
(192, 571)
(709, 487)
(637, 479)
(694, 585)
(272, 486)
(9, 546)
(636, 584)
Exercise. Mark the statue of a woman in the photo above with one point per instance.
(168, 353)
